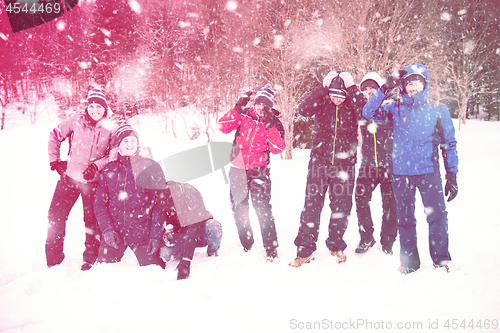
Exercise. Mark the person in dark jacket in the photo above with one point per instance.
(126, 195)
(259, 132)
(89, 134)
(336, 106)
(189, 225)
(421, 127)
(375, 169)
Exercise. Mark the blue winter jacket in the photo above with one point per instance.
(421, 126)
(125, 196)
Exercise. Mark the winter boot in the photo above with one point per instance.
(297, 262)
(183, 269)
(410, 261)
(387, 249)
(271, 255)
(340, 255)
(443, 264)
(364, 246)
(407, 270)
(86, 266)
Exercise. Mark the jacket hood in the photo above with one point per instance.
(422, 96)
(373, 76)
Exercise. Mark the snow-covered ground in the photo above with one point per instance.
(238, 291)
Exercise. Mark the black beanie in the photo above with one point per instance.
(265, 95)
(337, 88)
(122, 132)
(413, 77)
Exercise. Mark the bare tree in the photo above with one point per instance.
(473, 54)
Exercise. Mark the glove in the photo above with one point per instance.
(268, 118)
(347, 78)
(59, 166)
(153, 246)
(451, 186)
(89, 174)
(244, 99)
(393, 80)
(111, 238)
(328, 79)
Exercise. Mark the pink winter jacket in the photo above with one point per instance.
(253, 142)
(88, 144)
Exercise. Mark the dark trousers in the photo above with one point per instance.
(108, 254)
(368, 179)
(431, 191)
(339, 182)
(209, 234)
(255, 183)
(65, 195)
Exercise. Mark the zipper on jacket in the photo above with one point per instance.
(335, 133)
(375, 145)
(251, 142)
(125, 201)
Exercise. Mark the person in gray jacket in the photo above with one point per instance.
(89, 134)
(181, 205)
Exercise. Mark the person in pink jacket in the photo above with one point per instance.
(89, 134)
(259, 132)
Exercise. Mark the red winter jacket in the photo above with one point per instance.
(252, 142)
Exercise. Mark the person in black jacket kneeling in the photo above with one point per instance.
(124, 201)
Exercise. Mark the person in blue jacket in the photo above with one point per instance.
(421, 127)
(126, 195)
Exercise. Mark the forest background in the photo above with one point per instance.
(163, 56)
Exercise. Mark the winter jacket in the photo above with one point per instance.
(89, 143)
(252, 143)
(376, 146)
(420, 127)
(376, 137)
(125, 196)
(335, 127)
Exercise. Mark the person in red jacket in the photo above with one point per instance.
(259, 132)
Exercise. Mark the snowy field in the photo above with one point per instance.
(238, 291)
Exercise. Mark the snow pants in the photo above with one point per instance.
(339, 182)
(257, 184)
(108, 254)
(366, 182)
(65, 195)
(431, 191)
(182, 245)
